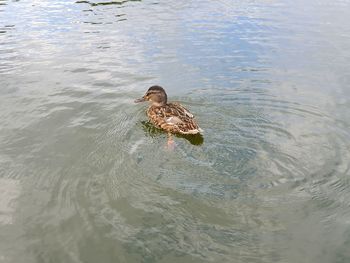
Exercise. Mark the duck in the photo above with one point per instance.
(171, 117)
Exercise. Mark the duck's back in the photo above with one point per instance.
(174, 118)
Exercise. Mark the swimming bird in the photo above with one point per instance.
(171, 117)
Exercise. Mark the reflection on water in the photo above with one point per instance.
(85, 178)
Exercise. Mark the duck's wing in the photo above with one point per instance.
(173, 118)
(181, 119)
(176, 109)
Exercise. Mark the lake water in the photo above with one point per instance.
(85, 178)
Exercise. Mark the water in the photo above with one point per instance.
(84, 177)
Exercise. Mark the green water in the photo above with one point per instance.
(85, 178)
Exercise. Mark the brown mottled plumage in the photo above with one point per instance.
(171, 117)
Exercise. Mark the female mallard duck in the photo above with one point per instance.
(171, 117)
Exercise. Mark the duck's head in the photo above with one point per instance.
(156, 95)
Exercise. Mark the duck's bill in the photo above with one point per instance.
(139, 100)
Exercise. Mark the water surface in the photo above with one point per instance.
(83, 177)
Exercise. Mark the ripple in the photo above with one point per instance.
(119, 2)
(91, 180)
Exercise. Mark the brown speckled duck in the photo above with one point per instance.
(172, 117)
